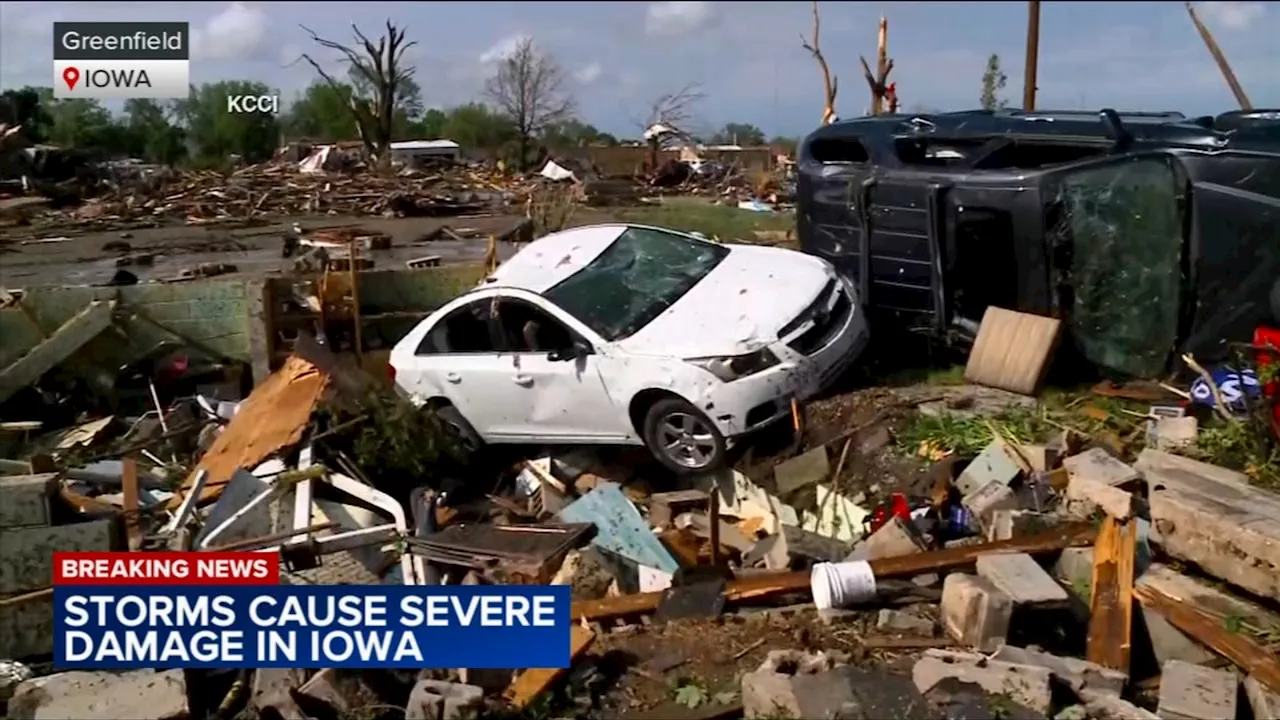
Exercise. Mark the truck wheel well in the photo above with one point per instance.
(641, 403)
(436, 403)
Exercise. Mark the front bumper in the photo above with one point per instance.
(755, 401)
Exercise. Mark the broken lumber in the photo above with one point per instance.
(770, 585)
(531, 683)
(1258, 661)
(1111, 601)
(62, 344)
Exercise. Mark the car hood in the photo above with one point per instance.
(740, 306)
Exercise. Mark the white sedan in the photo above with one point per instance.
(627, 334)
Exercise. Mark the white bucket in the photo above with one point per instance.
(839, 585)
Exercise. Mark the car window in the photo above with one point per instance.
(644, 272)
(465, 330)
(528, 328)
(1125, 233)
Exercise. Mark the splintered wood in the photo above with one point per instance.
(1111, 604)
(1012, 350)
(530, 684)
(776, 584)
(1213, 632)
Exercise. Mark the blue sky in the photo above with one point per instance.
(619, 56)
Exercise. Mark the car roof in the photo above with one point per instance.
(543, 263)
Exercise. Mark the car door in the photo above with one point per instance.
(460, 359)
(553, 377)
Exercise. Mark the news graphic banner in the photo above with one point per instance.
(227, 610)
(121, 60)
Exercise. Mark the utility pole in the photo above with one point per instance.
(1223, 66)
(1033, 55)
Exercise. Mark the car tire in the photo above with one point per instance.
(457, 427)
(682, 438)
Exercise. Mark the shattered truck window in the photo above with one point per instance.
(1125, 275)
(644, 272)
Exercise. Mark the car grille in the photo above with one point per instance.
(826, 323)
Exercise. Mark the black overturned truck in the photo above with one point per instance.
(1150, 234)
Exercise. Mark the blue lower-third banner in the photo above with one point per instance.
(343, 626)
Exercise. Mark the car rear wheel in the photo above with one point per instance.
(458, 428)
(682, 438)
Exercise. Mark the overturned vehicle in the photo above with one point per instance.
(1148, 233)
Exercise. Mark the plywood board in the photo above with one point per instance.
(1012, 351)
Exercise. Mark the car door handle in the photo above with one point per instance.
(453, 378)
(523, 380)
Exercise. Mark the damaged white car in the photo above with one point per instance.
(627, 334)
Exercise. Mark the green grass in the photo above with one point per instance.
(725, 222)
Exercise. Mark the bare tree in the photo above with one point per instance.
(529, 88)
(830, 83)
(671, 110)
(379, 68)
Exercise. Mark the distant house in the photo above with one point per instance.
(416, 152)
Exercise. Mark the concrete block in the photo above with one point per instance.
(996, 463)
(440, 700)
(1041, 458)
(787, 679)
(905, 621)
(1106, 706)
(26, 500)
(975, 612)
(792, 547)
(801, 471)
(26, 629)
(983, 502)
(1008, 524)
(136, 694)
(271, 688)
(1099, 465)
(1020, 577)
(12, 674)
(27, 561)
(1196, 692)
(1169, 643)
(1212, 517)
(1024, 684)
(1075, 568)
(1073, 672)
(1085, 496)
(1172, 433)
(1264, 703)
(896, 537)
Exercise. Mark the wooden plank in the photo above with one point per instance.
(132, 507)
(1212, 632)
(1012, 350)
(1111, 602)
(763, 586)
(62, 344)
(531, 683)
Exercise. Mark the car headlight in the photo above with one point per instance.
(731, 368)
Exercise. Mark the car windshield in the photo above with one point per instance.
(644, 272)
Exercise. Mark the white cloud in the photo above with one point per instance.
(1232, 15)
(588, 74)
(677, 17)
(239, 32)
(504, 47)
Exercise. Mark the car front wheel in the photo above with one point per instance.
(682, 438)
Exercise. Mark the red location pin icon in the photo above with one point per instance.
(72, 76)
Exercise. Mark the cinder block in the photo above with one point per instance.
(975, 612)
(996, 463)
(1020, 577)
(1196, 692)
(1098, 465)
(24, 500)
(27, 560)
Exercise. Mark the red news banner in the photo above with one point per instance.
(165, 568)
